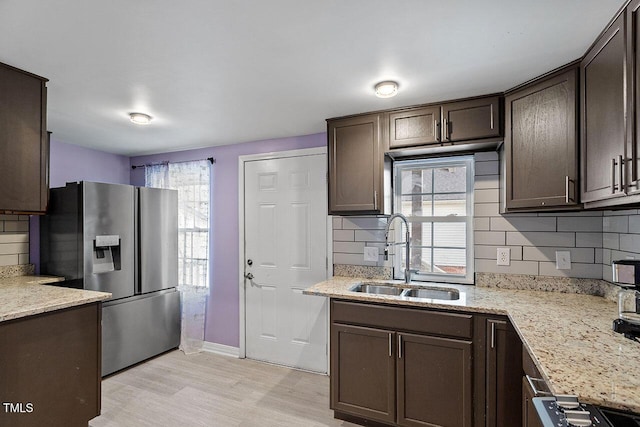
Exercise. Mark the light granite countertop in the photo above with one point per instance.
(22, 296)
(568, 335)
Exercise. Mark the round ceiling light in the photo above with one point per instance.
(386, 89)
(140, 118)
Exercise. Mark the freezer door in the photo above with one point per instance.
(108, 238)
(158, 244)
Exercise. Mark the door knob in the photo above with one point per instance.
(249, 276)
(250, 261)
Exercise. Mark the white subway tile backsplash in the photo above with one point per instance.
(9, 259)
(337, 222)
(588, 224)
(486, 209)
(540, 238)
(14, 238)
(486, 181)
(359, 223)
(14, 248)
(634, 224)
(481, 224)
(611, 240)
(598, 255)
(606, 256)
(13, 226)
(630, 242)
(343, 235)
(615, 224)
(486, 156)
(349, 247)
(490, 252)
(585, 271)
(369, 236)
(351, 259)
(490, 195)
(580, 214)
(582, 255)
(588, 240)
(9, 217)
(489, 238)
(487, 168)
(23, 259)
(532, 223)
(516, 267)
(625, 212)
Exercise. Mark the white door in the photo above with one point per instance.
(285, 205)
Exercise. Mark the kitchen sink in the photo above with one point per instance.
(425, 292)
(371, 288)
(432, 293)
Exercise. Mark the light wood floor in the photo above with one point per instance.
(211, 390)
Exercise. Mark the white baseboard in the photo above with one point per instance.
(225, 350)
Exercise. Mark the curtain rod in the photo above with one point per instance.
(211, 159)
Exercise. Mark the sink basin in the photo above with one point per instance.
(432, 293)
(370, 288)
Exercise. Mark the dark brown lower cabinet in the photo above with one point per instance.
(383, 371)
(50, 368)
(504, 372)
(434, 381)
(529, 416)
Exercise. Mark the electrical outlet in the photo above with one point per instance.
(371, 253)
(504, 256)
(563, 260)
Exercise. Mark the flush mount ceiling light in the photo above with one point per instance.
(140, 118)
(386, 89)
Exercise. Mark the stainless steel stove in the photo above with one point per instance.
(566, 411)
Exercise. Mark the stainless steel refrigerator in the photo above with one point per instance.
(124, 240)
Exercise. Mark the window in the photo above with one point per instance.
(436, 196)
(192, 180)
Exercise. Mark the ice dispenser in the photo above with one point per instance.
(626, 273)
(106, 254)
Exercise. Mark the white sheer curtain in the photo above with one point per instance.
(192, 181)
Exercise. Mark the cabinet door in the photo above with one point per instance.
(633, 101)
(468, 120)
(23, 142)
(418, 126)
(529, 414)
(503, 375)
(603, 133)
(434, 381)
(540, 144)
(363, 372)
(355, 165)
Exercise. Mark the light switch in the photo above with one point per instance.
(563, 260)
(371, 253)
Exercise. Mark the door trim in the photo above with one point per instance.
(241, 244)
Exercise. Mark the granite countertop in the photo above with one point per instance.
(22, 296)
(568, 335)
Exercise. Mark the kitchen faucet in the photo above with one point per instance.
(407, 271)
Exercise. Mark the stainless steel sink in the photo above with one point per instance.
(370, 288)
(425, 292)
(432, 293)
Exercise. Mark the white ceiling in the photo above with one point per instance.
(214, 72)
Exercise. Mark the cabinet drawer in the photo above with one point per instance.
(403, 319)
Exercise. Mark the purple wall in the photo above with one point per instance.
(223, 309)
(69, 163)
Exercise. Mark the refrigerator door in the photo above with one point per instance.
(108, 238)
(158, 244)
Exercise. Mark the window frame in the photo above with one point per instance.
(441, 162)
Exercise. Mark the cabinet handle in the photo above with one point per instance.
(390, 345)
(621, 171)
(445, 132)
(375, 200)
(436, 130)
(613, 175)
(567, 197)
(535, 391)
(399, 346)
(493, 335)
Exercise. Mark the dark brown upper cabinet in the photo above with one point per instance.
(541, 145)
(633, 100)
(24, 143)
(445, 124)
(469, 120)
(356, 157)
(414, 127)
(603, 105)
